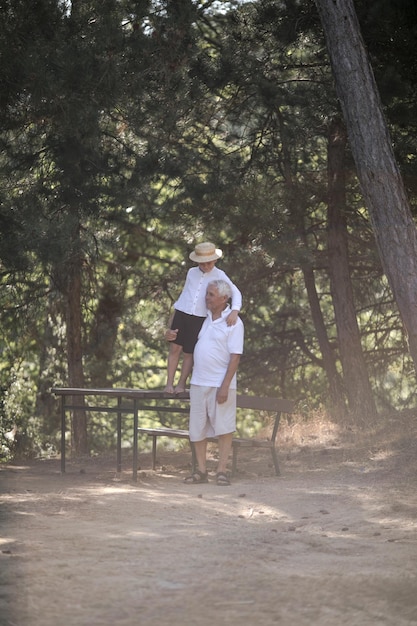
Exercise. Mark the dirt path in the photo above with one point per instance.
(331, 542)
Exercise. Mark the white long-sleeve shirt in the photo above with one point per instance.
(193, 296)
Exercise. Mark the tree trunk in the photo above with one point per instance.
(103, 334)
(381, 182)
(329, 361)
(49, 347)
(337, 405)
(74, 344)
(355, 375)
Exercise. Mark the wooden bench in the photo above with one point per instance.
(276, 406)
(132, 401)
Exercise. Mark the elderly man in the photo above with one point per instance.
(213, 383)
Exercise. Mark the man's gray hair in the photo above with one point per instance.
(222, 287)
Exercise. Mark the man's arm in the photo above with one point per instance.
(223, 390)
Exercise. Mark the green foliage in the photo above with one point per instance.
(132, 130)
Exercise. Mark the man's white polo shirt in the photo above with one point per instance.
(216, 342)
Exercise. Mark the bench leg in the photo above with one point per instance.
(135, 440)
(275, 460)
(154, 438)
(119, 437)
(63, 429)
(235, 449)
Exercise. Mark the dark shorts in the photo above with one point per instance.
(188, 328)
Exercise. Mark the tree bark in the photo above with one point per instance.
(74, 343)
(355, 375)
(337, 399)
(103, 334)
(337, 402)
(48, 342)
(378, 173)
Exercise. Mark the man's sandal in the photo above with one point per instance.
(196, 478)
(222, 480)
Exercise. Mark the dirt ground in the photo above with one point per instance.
(332, 541)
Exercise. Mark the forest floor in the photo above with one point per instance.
(332, 541)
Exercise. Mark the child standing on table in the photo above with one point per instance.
(190, 312)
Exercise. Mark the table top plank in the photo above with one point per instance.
(243, 401)
(150, 394)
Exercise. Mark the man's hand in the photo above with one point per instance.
(171, 334)
(223, 390)
(222, 393)
(232, 318)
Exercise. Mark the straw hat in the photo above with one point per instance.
(205, 252)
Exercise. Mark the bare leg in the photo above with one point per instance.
(200, 448)
(187, 366)
(173, 359)
(225, 446)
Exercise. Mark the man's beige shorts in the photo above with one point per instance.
(207, 417)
